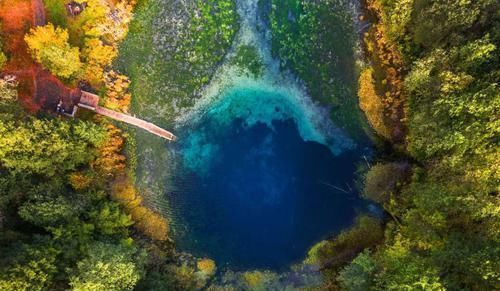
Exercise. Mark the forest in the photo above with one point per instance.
(72, 218)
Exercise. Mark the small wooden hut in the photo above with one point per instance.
(75, 8)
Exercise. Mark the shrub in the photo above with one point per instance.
(150, 223)
(382, 180)
(313, 257)
(372, 104)
(366, 232)
(206, 266)
(359, 274)
(254, 279)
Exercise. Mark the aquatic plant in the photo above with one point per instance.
(169, 62)
(316, 40)
(272, 96)
(247, 58)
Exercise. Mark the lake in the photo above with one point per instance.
(250, 192)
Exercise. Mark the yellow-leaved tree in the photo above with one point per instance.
(49, 46)
(97, 57)
(372, 104)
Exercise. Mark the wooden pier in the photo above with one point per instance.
(91, 101)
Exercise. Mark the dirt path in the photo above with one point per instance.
(37, 87)
(38, 12)
(39, 19)
(17, 17)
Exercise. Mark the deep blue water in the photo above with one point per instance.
(258, 195)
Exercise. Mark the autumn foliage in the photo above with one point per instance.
(372, 104)
(150, 223)
(50, 47)
(98, 57)
(147, 221)
(117, 94)
(111, 162)
(80, 180)
(384, 80)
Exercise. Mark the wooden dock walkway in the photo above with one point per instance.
(91, 101)
(148, 126)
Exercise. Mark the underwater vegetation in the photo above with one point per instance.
(318, 42)
(170, 61)
(248, 58)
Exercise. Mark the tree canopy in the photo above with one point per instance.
(49, 46)
(108, 267)
(47, 147)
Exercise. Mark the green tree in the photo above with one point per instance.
(359, 274)
(449, 217)
(405, 270)
(47, 147)
(110, 219)
(46, 212)
(107, 268)
(33, 270)
(383, 180)
(49, 46)
(438, 22)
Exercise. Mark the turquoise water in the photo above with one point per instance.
(257, 183)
